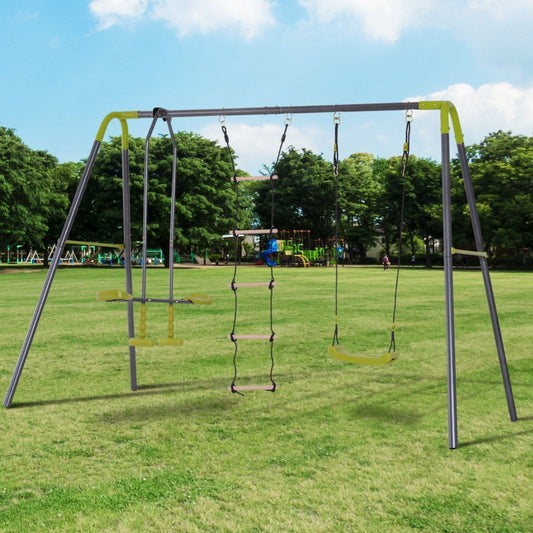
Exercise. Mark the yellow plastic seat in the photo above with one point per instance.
(199, 299)
(339, 353)
(110, 295)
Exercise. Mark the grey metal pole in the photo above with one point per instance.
(172, 210)
(448, 290)
(126, 217)
(50, 275)
(476, 226)
(145, 204)
(285, 110)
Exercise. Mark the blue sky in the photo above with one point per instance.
(67, 63)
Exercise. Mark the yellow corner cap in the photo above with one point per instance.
(199, 299)
(339, 353)
(110, 295)
(430, 104)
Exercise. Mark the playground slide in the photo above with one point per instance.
(267, 255)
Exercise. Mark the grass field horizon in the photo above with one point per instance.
(337, 448)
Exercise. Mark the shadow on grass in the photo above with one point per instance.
(143, 390)
(495, 438)
(152, 389)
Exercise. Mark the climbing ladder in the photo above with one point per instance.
(235, 286)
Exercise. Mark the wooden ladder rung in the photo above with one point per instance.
(254, 231)
(262, 284)
(250, 337)
(256, 178)
(253, 387)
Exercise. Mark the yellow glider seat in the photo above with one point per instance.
(113, 295)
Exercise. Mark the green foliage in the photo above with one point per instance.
(36, 191)
(32, 192)
(204, 195)
(304, 194)
(502, 174)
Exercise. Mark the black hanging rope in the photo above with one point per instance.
(405, 159)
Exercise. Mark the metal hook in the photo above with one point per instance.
(222, 120)
(337, 117)
(288, 118)
(409, 115)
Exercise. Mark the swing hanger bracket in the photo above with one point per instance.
(160, 112)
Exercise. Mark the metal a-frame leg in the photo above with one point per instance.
(448, 287)
(448, 291)
(51, 274)
(486, 279)
(126, 214)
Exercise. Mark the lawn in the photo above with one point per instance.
(336, 448)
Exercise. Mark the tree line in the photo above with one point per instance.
(36, 191)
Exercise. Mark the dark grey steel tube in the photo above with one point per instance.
(126, 218)
(50, 275)
(476, 226)
(285, 110)
(448, 290)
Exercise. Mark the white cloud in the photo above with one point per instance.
(256, 146)
(480, 23)
(382, 20)
(248, 17)
(111, 12)
(490, 107)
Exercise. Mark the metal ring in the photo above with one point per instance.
(337, 117)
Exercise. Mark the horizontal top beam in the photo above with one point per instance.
(283, 110)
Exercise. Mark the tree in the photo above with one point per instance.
(423, 202)
(31, 196)
(359, 198)
(204, 195)
(501, 167)
(304, 195)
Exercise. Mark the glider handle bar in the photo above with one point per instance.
(141, 340)
(170, 340)
(469, 252)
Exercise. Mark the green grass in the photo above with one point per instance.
(337, 448)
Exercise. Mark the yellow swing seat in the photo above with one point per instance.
(338, 352)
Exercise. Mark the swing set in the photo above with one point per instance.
(448, 118)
